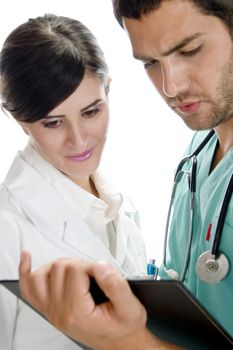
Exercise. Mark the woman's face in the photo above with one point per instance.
(72, 136)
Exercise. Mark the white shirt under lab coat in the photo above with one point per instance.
(44, 212)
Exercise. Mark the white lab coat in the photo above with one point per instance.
(34, 216)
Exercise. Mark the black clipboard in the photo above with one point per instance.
(173, 313)
(176, 316)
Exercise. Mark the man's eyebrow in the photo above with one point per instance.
(177, 47)
(183, 43)
(82, 110)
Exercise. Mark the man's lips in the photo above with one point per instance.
(82, 156)
(187, 107)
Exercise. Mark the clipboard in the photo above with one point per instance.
(173, 313)
(176, 316)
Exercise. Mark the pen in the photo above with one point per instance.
(152, 269)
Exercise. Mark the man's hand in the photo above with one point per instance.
(60, 291)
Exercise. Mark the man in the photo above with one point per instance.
(187, 51)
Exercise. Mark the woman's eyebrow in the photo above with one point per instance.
(82, 110)
(91, 104)
(54, 116)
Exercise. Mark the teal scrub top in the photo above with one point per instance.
(210, 191)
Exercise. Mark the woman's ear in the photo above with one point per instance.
(107, 85)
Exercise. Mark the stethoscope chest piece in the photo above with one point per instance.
(210, 269)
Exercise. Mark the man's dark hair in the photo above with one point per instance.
(137, 8)
(43, 61)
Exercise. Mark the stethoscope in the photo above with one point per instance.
(212, 266)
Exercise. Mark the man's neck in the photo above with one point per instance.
(225, 139)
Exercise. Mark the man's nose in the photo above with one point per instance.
(174, 79)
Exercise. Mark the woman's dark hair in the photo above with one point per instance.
(43, 61)
(138, 8)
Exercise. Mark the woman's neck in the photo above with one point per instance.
(86, 183)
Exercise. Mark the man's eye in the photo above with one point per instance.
(51, 124)
(148, 64)
(191, 52)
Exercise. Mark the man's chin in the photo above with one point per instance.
(195, 126)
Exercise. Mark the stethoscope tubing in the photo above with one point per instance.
(192, 187)
(195, 152)
(222, 217)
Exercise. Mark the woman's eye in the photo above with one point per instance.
(52, 124)
(91, 112)
(191, 52)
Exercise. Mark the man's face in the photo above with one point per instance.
(189, 58)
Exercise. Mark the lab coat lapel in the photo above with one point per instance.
(130, 248)
(47, 210)
(123, 229)
(78, 235)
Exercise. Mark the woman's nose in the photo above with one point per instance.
(77, 137)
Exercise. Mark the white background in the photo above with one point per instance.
(146, 139)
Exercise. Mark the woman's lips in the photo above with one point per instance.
(82, 156)
(191, 107)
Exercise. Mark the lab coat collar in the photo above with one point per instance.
(70, 192)
(110, 199)
(109, 195)
(48, 212)
(46, 208)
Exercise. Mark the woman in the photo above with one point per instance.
(55, 82)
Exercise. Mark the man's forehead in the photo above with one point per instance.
(168, 28)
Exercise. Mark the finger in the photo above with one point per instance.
(78, 285)
(57, 286)
(57, 279)
(126, 307)
(74, 303)
(25, 263)
(114, 286)
(24, 272)
(34, 286)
